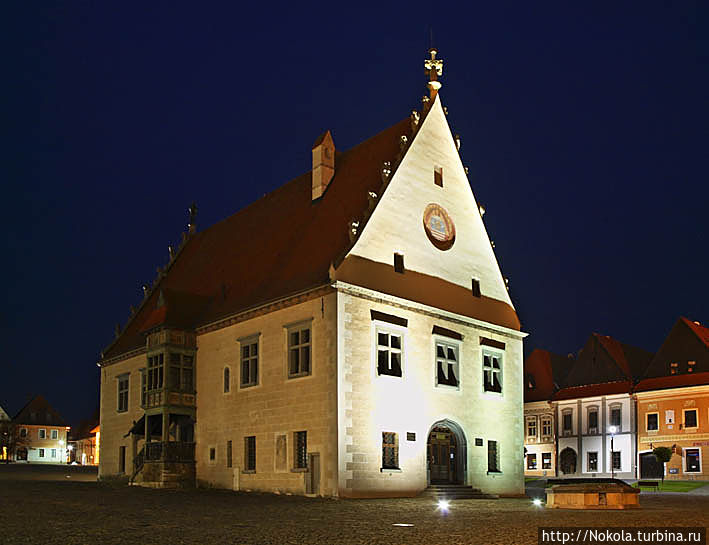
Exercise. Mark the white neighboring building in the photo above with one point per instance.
(595, 410)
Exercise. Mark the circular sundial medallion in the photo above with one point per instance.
(439, 226)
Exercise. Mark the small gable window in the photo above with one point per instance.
(476, 287)
(438, 176)
(399, 263)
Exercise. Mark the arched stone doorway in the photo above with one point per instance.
(446, 453)
(567, 461)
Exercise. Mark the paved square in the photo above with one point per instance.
(67, 511)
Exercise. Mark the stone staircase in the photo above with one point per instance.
(455, 492)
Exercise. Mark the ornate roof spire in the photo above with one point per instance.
(434, 69)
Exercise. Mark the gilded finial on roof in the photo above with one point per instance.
(434, 69)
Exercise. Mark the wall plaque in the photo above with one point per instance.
(439, 226)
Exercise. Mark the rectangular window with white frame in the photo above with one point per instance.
(567, 422)
(592, 462)
(299, 350)
(42, 433)
(616, 417)
(616, 459)
(54, 453)
(531, 461)
(692, 460)
(546, 427)
(546, 460)
(652, 421)
(389, 350)
(593, 420)
(54, 434)
(249, 361)
(492, 371)
(690, 418)
(447, 363)
(531, 427)
(41, 453)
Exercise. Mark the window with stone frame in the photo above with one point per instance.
(531, 461)
(390, 450)
(54, 434)
(227, 380)
(41, 453)
(616, 459)
(42, 433)
(299, 350)
(690, 418)
(493, 459)
(592, 462)
(447, 369)
(54, 453)
(616, 416)
(123, 393)
(593, 420)
(567, 422)
(250, 453)
(492, 371)
(653, 423)
(249, 362)
(546, 427)
(546, 460)
(389, 351)
(300, 450)
(532, 427)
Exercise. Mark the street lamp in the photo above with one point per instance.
(612, 429)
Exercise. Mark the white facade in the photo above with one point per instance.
(591, 444)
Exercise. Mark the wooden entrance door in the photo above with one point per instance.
(650, 468)
(442, 456)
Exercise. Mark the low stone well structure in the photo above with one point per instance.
(593, 495)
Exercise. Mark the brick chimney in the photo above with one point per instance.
(323, 163)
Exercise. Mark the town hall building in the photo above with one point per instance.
(349, 334)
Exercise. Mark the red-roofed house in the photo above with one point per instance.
(673, 405)
(543, 372)
(42, 433)
(595, 413)
(349, 334)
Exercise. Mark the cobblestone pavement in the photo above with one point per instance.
(93, 513)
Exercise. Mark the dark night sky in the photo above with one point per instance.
(584, 126)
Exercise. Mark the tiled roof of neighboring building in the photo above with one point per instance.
(594, 390)
(699, 330)
(37, 412)
(544, 371)
(673, 381)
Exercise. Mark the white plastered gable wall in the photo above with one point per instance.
(396, 224)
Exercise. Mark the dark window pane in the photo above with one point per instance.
(294, 338)
(383, 339)
(305, 336)
(452, 379)
(383, 360)
(294, 361)
(254, 349)
(652, 422)
(451, 354)
(486, 361)
(396, 365)
(187, 361)
(593, 419)
(440, 375)
(396, 341)
(305, 359)
(440, 352)
(690, 419)
(495, 363)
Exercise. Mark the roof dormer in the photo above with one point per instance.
(323, 164)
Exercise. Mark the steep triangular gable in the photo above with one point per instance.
(597, 364)
(3, 415)
(397, 222)
(38, 411)
(685, 342)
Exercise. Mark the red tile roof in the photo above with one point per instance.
(672, 381)
(615, 350)
(594, 390)
(699, 330)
